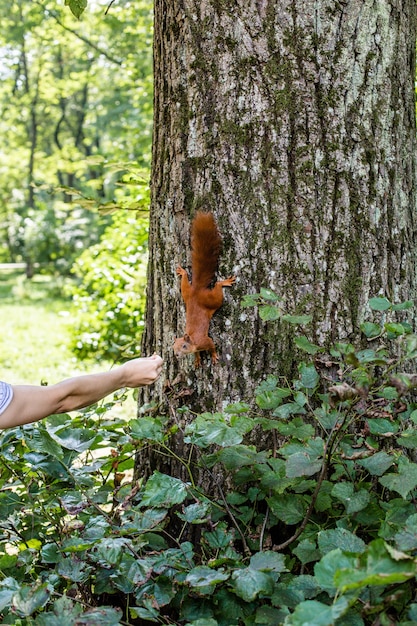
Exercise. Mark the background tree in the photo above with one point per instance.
(70, 105)
(295, 123)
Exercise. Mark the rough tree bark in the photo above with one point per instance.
(294, 122)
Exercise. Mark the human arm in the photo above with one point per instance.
(31, 403)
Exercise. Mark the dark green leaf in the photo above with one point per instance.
(377, 464)
(379, 426)
(316, 613)
(309, 376)
(162, 490)
(269, 313)
(203, 576)
(286, 410)
(302, 464)
(394, 328)
(103, 616)
(304, 344)
(340, 538)
(371, 330)
(8, 587)
(379, 304)
(403, 306)
(268, 561)
(30, 598)
(268, 294)
(77, 6)
(325, 570)
(380, 569)
(248, 583)
(148, 428)
(65, 613)
(196, 513)
(307, 551)
(77, 439)
(288, 508)
(300, 320)
(403, 482)
(270, 399)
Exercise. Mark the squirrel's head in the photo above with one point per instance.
(183, 346)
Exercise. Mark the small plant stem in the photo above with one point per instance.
(326, 458)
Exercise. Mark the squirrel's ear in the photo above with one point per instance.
(187, 338)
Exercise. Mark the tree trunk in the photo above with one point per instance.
(294, 122)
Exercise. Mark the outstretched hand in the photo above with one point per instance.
(141, 371)
(31, 403)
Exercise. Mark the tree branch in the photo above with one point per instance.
(87, 41)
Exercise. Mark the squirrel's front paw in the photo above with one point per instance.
(181, 271)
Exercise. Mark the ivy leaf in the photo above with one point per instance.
(209, 428)
(77, 439)
(268, 561)
(109, 550)
(394, 329)
(30, 598)
(403, 306)
(378, 569)
(248, 583)
(377, 464)
(65, 613)
(41, 441)
(74, 570)
(411, 343)
(9, 586)
(331, 539)
(316, 613)
(379, 304)
(103, 616)
(304, 344)
(237, 456)
(302, 464)
(404, 481)
(148, 428)
(300, 320)
(270, 295)
(288, 508)
(286, 410)
(407, 539)
(50, 553)
(269, 313)
(309, 376)
(162, 490)
(354, 501)
(203, 576)
(379, 426)
(196, 513)
(271, 399)
(326, 569)
(371, 330)
(307, 551)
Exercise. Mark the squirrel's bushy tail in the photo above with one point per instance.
(205, 249)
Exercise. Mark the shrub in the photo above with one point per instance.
(320, 529)
(109, 297)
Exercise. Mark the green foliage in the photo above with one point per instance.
(70, 103)
(77, 6)
(109, 297)
(319, 528)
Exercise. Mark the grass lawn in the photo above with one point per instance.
(35, 323)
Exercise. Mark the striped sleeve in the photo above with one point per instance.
(6, 395)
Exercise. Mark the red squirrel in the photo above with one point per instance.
(201, 302)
